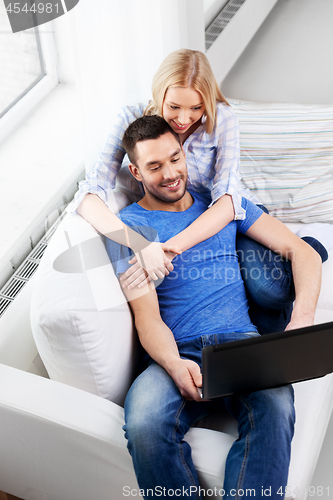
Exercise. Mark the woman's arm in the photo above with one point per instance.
(208, 224)
(90, 201)
(149, 254)
(226, 187)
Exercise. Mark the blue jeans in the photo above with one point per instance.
(269, 284)
(157, 418)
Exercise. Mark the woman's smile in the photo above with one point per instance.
(183, 108)
(180, 126)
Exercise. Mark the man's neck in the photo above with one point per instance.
(148, 202)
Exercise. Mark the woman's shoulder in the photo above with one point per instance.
(225, 117)
(137, 110)
(224, 110)
(126, 115)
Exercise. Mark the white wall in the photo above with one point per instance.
(290, 59)
(62, 29)
(212, 8)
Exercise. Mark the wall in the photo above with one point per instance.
(290, 59)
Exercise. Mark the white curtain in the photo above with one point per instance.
(119, 45)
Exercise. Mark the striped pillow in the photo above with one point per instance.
(287, 158)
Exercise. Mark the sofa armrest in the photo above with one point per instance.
(17, 346)
(59, 440)
(313, 404)
(70, 443)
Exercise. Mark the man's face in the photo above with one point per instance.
(161, 168)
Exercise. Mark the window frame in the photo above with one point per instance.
(25, 105)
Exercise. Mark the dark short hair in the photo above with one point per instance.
(144, 129)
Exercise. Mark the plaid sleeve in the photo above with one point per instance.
(227, 179)
(102, 178)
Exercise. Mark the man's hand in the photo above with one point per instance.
(306, 266)
(158, 341)
(135, 275)
(300, 321)
(187, 376)
(138, 274)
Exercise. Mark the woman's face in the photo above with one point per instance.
(182, 108)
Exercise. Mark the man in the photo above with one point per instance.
(201, 302)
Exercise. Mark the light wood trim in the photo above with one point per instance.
(8, 496)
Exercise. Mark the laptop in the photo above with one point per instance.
(268, 361)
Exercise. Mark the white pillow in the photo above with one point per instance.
(81, 322)
(287, 158)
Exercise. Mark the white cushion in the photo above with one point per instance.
(325, 300)
(287, 158)
(80, 319)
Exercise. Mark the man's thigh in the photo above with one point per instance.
(275, 406)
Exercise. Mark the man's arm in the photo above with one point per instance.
(306, 265)
(158, 340)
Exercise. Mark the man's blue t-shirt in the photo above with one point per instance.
(204, 293)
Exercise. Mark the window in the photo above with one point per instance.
(21, 61)
(28, 71)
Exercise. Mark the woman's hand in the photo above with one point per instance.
(170, 252)
(152, 263)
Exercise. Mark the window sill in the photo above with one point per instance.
(41, 163)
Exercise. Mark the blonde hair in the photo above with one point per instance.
(187, 68)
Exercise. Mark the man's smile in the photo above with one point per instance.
(173, 186)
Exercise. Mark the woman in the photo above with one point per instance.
(186, 94)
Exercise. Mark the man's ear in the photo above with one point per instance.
(135, 172)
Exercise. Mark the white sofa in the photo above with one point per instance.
(59, 442)
(62, 439)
